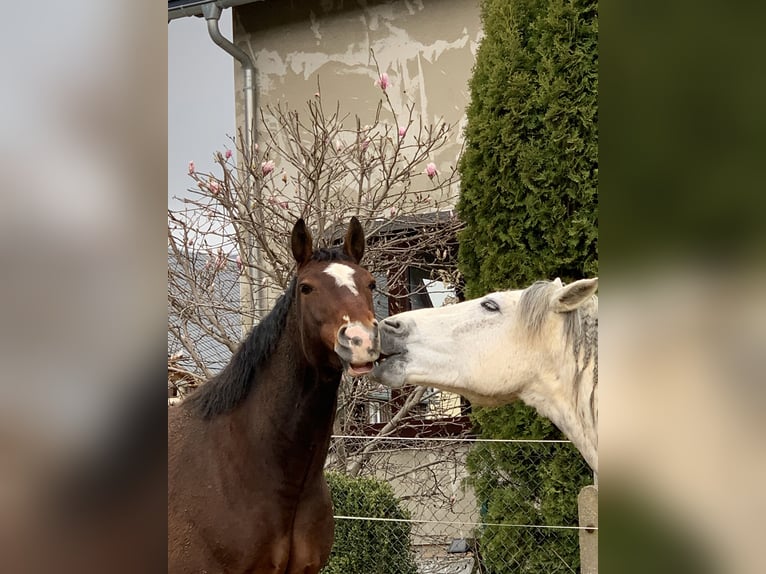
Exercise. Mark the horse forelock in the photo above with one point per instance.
(535, 305)
(334, 254)
(580, 325)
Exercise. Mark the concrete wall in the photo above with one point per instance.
(426, 47)
(428, 478)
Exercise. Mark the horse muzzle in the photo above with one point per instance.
(358, 347)
(390, 369)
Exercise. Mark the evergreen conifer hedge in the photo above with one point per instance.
(530, 167)
(529, 176)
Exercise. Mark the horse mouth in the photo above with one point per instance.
(367, 368)
(382, 358)
(360, 370)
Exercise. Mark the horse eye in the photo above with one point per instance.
(490, 305)
(306, 288)
(373, 286)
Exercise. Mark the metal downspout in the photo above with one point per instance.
(252, 303)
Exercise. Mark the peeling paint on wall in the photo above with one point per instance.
(427, 48)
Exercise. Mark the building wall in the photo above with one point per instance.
(426, 47)
(429, 480)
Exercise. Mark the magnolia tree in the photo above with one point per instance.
(229, 243)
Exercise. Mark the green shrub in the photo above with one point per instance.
(364, 546)
(527, 484)
(529, 178)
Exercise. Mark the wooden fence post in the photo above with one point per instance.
(587, 502)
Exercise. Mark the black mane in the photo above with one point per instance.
(231, 386)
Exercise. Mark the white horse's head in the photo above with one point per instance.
(535, 344)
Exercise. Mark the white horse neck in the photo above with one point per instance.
(567, 403)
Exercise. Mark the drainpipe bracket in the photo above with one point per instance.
(211, 11)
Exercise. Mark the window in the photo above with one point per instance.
(426, 292)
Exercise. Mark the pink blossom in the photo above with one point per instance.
(283, 204)
(239, 262)
(431, 170)
(255, 147)
(383, 81)
(402, 131)
(191, 168)
(393, 211)
(228, 154)
(214, 187)
(316, 94)
(267, 167)
(365, 144)
(338, 145)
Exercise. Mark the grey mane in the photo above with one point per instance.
(580, 325)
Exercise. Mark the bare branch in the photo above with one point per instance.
(324, 165)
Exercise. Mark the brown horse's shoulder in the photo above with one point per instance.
(180, 416)
(183, 429)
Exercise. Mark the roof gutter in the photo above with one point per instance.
(182, 9)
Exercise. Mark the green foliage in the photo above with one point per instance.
(529, 178)
(530, 167)
(529, 484)
(368, 547)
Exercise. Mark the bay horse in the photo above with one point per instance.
(538, 345)
(246, 450)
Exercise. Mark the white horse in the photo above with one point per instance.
(537, 345)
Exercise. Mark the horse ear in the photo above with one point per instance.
(353, 245)
(573, 295)
(301, 243)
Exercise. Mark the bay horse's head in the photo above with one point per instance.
(334, 299)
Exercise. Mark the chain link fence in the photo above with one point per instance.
(441, 503)
(462, 511)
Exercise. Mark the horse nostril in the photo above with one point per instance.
(354, 335)
(394, 328)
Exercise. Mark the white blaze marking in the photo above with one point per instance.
(343, 275)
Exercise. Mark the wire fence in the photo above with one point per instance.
(457, 505)
(441, 503)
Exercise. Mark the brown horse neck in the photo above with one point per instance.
(291, 408)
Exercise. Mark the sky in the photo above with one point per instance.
(201, 115)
